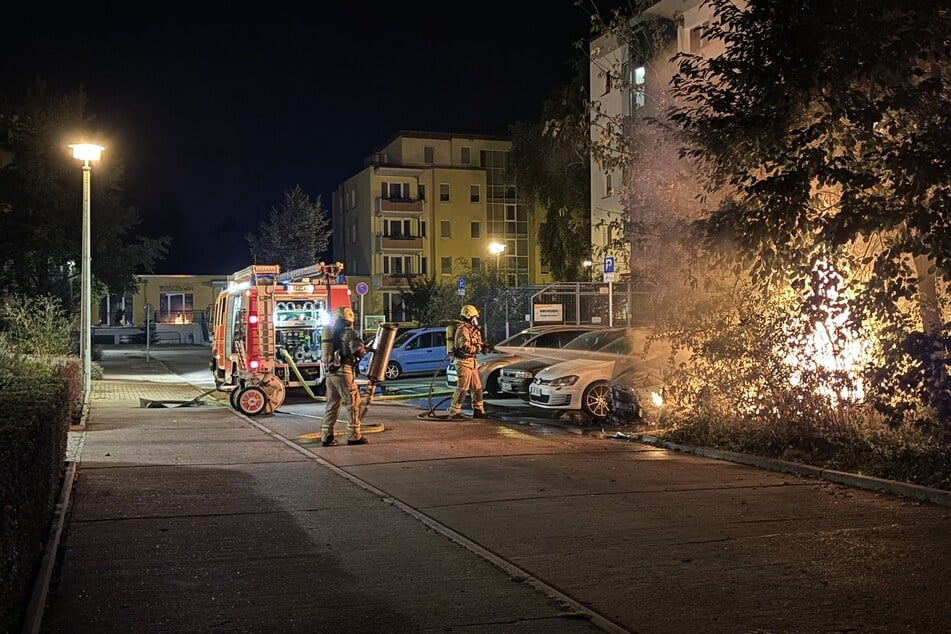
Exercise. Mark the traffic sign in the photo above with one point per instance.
(461, 286)
(609, 264)
(362, 288)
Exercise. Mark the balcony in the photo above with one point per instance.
(394, 280)
(402, 243)
(399, 205)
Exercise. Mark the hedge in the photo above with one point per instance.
(35, 415)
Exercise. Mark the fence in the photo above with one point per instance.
(590, 303)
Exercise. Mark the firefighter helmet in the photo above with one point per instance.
(345, 313)
(469, 311)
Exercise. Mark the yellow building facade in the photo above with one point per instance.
(430, 204)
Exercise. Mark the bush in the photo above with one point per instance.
(34, 418)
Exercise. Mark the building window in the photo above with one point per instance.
(393, 307)
(698, 37)
(445, 266)
(385, 189)
(429, 154)
(444, 192)
(466, 156)
(640, 75)
(474, 194)
(422, 228)
(475, 229)
(608, 186)
(175, 308)
(476, 264)
(422, 191)
(397, 229)
(607, 83)
(423, 267)
(445, 228)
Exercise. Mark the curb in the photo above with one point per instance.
(868, 483)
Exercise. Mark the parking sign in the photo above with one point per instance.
(609, 268)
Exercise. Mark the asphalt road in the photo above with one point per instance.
(648, 539)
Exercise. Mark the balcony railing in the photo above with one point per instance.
(399, 205)
(400, 242)
(381, 280)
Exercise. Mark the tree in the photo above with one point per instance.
(294, 235)
(550, 158)
(41, 203)
(430, 302)
(834, 149)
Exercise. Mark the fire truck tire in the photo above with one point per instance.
(251, 401)
(233, 397)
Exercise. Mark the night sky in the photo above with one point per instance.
(218, 109)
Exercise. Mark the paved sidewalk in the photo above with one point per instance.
(196, 519)
(190, 519)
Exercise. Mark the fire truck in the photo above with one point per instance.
(266, 332)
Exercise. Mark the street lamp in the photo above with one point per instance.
(587, 267)
(496, 249)
(86, 152)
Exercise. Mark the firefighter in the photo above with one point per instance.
(340, 354)
(467, 343)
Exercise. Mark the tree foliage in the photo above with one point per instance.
(294, 234)
(430, 302)
(551, 160)
(834, 148)
(41, 202)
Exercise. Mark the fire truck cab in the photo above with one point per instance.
(264, 317)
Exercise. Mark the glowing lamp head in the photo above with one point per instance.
(254, 364)
(86, 151)
(496, 248)
(657, 399)
(252, 319)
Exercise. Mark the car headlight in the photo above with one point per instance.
(562, 381)
(521, 375)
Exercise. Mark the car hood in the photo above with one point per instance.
(580, 367)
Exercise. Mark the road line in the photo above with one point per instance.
(513, 571)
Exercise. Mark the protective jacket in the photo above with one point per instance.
(467, 342)
(348, 346)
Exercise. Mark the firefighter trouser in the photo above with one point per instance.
(341, 390)
(468, 382)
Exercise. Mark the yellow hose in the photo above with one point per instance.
(293, 366)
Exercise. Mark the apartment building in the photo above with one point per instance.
(624, 84)
(431, 204)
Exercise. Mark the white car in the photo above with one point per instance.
(584, 383)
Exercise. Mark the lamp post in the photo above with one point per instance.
(587, 264)
(86, 152)
(497, 248)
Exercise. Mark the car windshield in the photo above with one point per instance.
(593, 340)
(519, 338)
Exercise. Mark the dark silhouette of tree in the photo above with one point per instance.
(294, 234)
(41, 202)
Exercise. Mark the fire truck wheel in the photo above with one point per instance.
(233, 397)
(251, 401)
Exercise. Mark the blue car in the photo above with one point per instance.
(416, 351)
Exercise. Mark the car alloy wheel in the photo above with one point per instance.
(393, 370)
(596, 401)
